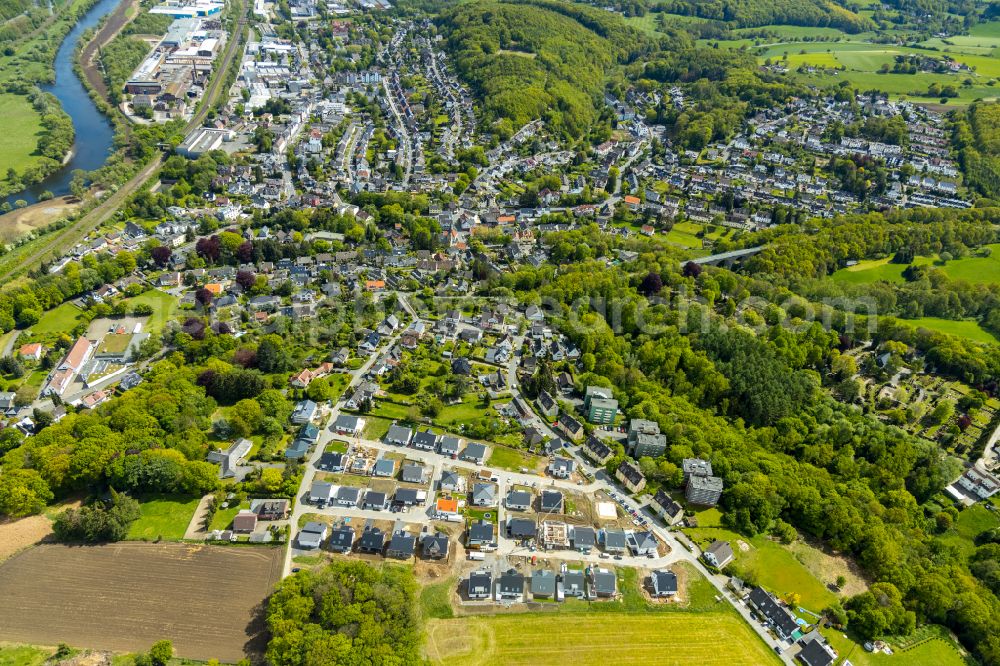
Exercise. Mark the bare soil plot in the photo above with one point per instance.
(125, 596)
(19, 534)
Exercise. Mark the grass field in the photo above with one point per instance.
(19, 141)
(598, 639)
(965, 328)
(165, 517)
(775, 566)
(61, 319)
(125, 596)
(982, 270)
(971, 522)
(22, 655)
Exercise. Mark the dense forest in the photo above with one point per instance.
(347, 613)
(753, 13)
(976, 137)
(543, 60)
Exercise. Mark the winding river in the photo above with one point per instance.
(94, 133)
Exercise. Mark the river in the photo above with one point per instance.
(94, 133)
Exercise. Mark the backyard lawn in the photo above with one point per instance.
(61, 319)
(930, 646)
(163, 516)
(164, 307)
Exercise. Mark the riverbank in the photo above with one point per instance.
(69, 109)
(27, 62)
(115, 23)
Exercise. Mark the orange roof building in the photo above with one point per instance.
(445, 505)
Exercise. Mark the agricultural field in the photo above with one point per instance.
(123, 597)
(164, 517)
(861, 61)
(542, 638)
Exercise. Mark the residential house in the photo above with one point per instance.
(312, 535)
(331, 461)
(425, 440)
(605, 583)
(230, 458)
(479, 585)
(667, 508)
(479, 535)
(521, 529)
(374, 501)
(584, 538)
(245, 521)
(349, 425)
(615, 542)
(510, 587)
(450, 481)
(663, 584)
(518, 500)
(570, 427)
(321, 493)
(597, 450)
(774, 614)
(474, 452)
(642, 543)
(384, 468)
(815, 651)
(409, 497)
(574, 584)
(348, 496)
(550, 501)
(543, 584)
(718, 554)
(435, 546)
(412, 473)
(561, 468)
(372, 541)
(547, 405)
(341, 539)
(630, 476)
(304, 412)
(402, 545)
(483, 494)
(399, 435)
(449, 446)
(270, 509)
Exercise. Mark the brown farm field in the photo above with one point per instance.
(124, 597)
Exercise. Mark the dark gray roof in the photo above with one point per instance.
(664, 581)
(777, 616)
(519, 498)
(521, 527)
(584, 536)
(551, 500)
(481, 531)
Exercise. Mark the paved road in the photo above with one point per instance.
(63, 240)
